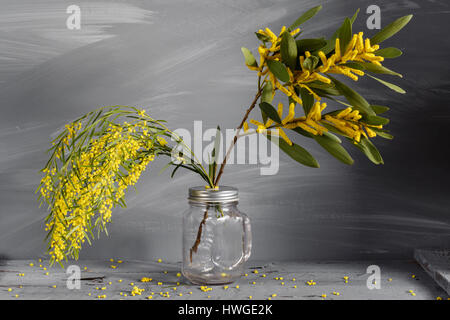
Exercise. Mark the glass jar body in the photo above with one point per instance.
(216, 242)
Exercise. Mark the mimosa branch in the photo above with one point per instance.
(236, 136)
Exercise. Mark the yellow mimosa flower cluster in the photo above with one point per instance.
(357, 50)
(310, 123)
(348, 121)
(92, 178)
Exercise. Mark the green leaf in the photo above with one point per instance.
(390, 52)
(310, 44)
(356, 100)
(334, 148)
(249, 58)
(278, 69)
(334, 129)
(379, 109)
(355, 15)
(296, 152)
(371, 67)
(390, 30)
(331, 43)
(307, 99)
(267, 92)
(323, 89)
(266, 96)
(214, 152)
(303, 132)
(383, 134)
(371, 152)
(305, 17)
(375, 120)
(345, 34)
(354, 65)
(165, 167)
(389, 85)
(332, 137)
(288, 49)
(270, 111)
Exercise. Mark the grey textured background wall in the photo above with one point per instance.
(181, 61)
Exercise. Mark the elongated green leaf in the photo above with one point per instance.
(390, 52)
(356, 100)
(307, 99)
(270, 111)
(217, 141)
(310, 44)
(378, 69)
(266, 96)
(355, 15)
(354, 65)
(375, 120)
(345, 34)
(323, 89)
(389, 85)
(371, 152)
(383, 134)
(303, 132)
(296, 152)
(165, 167)
(331, 43)
(267, 93)
(288, 49)
(379, 109)
(334, 148)
(390, 29)
(334, 129)
(278, 69)
(332, 137)
(305, 17)
(215, 154)
(249, 58)
(320, 85)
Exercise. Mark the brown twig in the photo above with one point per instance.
(199, 235)
(236, 136)
(224, 162)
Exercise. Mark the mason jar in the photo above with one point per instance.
(216, 236)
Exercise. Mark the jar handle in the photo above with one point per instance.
(247, 237)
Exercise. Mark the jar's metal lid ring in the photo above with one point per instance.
(222, 194)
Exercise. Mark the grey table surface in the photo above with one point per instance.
(34, 279)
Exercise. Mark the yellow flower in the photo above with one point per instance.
(245, 126)
(276, 130)
(145, 279)
(161, 141)
(290, 115)
(137, 291)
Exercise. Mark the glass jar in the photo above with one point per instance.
(216, 236)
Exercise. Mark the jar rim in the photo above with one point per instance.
(220, 195)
